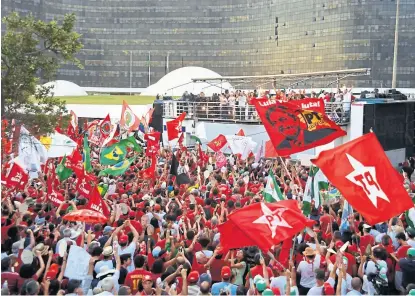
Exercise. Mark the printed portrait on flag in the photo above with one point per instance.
(292, 129)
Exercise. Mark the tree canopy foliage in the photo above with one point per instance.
(31, 53)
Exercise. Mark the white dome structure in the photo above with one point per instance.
(179, 81)
(63, 88)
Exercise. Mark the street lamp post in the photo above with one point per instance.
(395, 49)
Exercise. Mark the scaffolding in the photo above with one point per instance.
(285, 81)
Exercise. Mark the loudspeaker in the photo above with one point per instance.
(157, 117)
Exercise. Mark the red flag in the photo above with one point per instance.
(105, 127)
(149, 116)
(153, 143)
(74, 120)
(262, 225)
(153, 137)
(129, 121)
(270, 150)
(113, 137)
(97, 204)
(70, 132)
(83, 187)
(75, 163)
(203, 158)
(54, 196)
(17, 177)
(241, 133)
(284, 256)
(180, 141)
(292, 129)
(217, 143)
(316, 105)
(363, 174)
(149, 173)
(174, 127)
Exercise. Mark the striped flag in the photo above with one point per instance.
(272, 191)
(316, 182)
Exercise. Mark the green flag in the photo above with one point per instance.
(272, 191)
(118, 169)
(113, 154)
(118, 152)
(320, 183)
(62, 171)
(196, 139)
(132, 143)
(87, 155)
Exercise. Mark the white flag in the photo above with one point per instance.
(58, 145)
(31, 151)
(260, 153)
(200, 131)
(241, 145)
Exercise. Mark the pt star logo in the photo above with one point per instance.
(365, 177)
(272, 219)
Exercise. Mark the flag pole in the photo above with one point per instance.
(286, 169)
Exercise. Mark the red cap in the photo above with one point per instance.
(339, 244)
(131, 214)
(123, 239)
(203, 187)
(328, 289)
(157, 207)
(147, 278)
(225, 272)
(193, 276)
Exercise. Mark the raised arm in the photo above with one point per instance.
(42, 264)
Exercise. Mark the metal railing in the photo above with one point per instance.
(214, 111)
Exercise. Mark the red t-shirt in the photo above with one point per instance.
(366, 240)
(325, 222)
(215, 269)
(401, 253)
(134, 278)
(351, 261)
(354, 249)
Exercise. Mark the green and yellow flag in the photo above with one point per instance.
(118, 169)
(102, 189)
(118, 152)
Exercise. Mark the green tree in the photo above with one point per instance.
(31, 53)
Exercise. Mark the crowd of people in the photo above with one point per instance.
(162, 239)
(238, 106)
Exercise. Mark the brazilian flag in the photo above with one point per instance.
(118, 152)
(102, 189)
(118, 169)
(113, 154)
